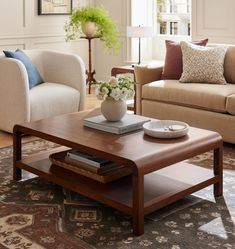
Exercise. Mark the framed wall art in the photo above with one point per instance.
(54, 7)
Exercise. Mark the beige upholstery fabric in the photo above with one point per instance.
(14, 94)
(18, 104)
(229, 65)
(230, 105)
(203, 64)
(44, 100)
(143, 75)
(202, 96)
(63, 68)
(222, 123)
(146, 74)
(208, 106)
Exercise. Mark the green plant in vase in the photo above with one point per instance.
(99, 20)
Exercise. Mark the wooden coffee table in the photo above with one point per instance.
(152, 185)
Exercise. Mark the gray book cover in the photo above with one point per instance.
(129, 122)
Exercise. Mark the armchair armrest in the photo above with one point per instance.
(144, 75)
(67, 69)
(14, 94)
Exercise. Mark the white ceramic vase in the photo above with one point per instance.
(89, 29)
(113, 110)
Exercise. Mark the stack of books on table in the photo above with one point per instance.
(90, 163)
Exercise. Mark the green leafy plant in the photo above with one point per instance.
(160, 4)
(107, 29)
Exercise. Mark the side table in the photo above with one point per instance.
(131, 105)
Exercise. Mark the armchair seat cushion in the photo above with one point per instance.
(50, 99)
(201, 96)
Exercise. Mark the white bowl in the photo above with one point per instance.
(166, 129)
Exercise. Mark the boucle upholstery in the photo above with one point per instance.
(63, 92)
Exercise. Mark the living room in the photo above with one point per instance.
(166, 184)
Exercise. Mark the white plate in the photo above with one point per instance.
(166, 128)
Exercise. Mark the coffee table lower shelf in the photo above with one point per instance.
(161, 187)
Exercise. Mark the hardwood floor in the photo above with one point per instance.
(6, 138)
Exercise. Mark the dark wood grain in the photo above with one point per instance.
(90, 72)
(152, 184)
(218, 170)
(159, 186)
(17, 154)
(134, 147)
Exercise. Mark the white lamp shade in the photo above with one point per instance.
(139, 31)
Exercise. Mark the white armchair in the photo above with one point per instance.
(63, 90)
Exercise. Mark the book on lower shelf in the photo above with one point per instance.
(130, 122)
(104, 176)
(87, 158)
(97, 170)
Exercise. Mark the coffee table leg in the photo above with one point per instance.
(218, 170)
(17, 154)
(138, 204)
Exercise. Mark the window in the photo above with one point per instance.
(163, 28)
(170, 19)
(173, 17)
(173, 28)
(188, 6)
(162, 7)
(171, 6)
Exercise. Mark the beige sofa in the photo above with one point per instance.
(208, 106)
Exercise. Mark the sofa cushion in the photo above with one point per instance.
(50, 99)
(230, 104)
(203, 64)
(229, 65)
(173, 61)
(202, 96)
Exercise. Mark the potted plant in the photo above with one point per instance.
(93, 21)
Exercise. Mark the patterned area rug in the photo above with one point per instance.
(35, 214)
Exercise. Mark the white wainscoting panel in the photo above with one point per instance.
(12, 46)
(22, 27)
(12, 16)
(106, 60)
(214, 19)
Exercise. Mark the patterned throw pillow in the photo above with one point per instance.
(203, 64)
(173, 65)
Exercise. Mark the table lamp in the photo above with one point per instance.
(139, 32)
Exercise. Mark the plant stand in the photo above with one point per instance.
(90, 74)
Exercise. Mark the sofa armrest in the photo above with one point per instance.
(14, 94)
(67, 69)
(147, 74)
(144, 75)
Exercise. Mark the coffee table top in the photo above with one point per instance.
(134, 148)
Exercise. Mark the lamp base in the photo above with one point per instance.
(135, 64)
